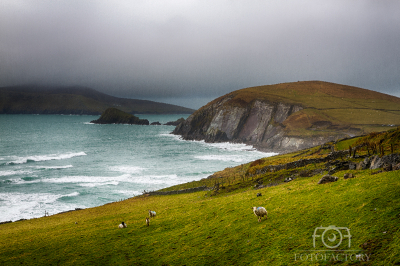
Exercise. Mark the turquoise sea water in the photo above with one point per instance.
(56, 163)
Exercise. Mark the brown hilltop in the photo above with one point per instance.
(290, 116)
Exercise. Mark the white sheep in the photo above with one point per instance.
(147, 221)
(122, 225)
(152, 214)
(260, 212)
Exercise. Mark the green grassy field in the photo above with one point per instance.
(219, 228)
(194, 229)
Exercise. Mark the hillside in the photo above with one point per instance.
(75, 100)
(292, 116)
(217, 227)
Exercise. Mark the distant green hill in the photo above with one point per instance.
(75, 100)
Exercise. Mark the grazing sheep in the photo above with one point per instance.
(260, 212)
(122, 225)
(148, 221)
(259, 194)
(288, 179)
(152, 214)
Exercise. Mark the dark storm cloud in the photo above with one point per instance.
(189, 52)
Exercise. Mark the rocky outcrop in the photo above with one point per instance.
(182, 191)
(348, 175)
(115, 116)
(258, 123)
(328, 179)
(175, 123)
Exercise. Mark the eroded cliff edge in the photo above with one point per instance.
(258, 124)
(286, 117)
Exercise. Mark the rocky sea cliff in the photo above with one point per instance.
(288, 117)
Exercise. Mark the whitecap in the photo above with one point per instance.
(73, 194)
(41, 158)
(127, 169)
(14, 172)
(98, 184)
(16, 205)
(91, 181)
(128, 192)
(225, 158)
(54, 167)
(158, 179)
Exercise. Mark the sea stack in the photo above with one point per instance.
(115, 116)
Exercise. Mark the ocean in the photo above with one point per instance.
(55, 163)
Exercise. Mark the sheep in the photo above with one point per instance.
(147, 221)
(260, 212)
(122, 225)
(259, 194)
(152, 214)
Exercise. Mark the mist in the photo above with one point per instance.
(190, 52)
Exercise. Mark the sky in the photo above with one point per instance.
(190, 52)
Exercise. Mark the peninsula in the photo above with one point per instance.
(292, 116)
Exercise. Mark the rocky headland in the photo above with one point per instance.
(291, 116)
(115, 116)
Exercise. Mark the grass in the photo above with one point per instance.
(194, 229)
(219, 228)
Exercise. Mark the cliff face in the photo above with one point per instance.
(291, 116)
(258, 124)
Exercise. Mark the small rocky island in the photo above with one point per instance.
(115, 116)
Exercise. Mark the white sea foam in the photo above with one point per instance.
(94, 181)
(15, 172)
(41, 158)
(98, 184)
(127, 169)
(16, 205)
(89, 179)
(19, 181)
(73, 194)
(223, 145)
(232, 146)
(225, 158)
(177, 137)
(158, 179)
(128, 192)
(54, 167)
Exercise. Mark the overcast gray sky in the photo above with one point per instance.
(189, 52)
